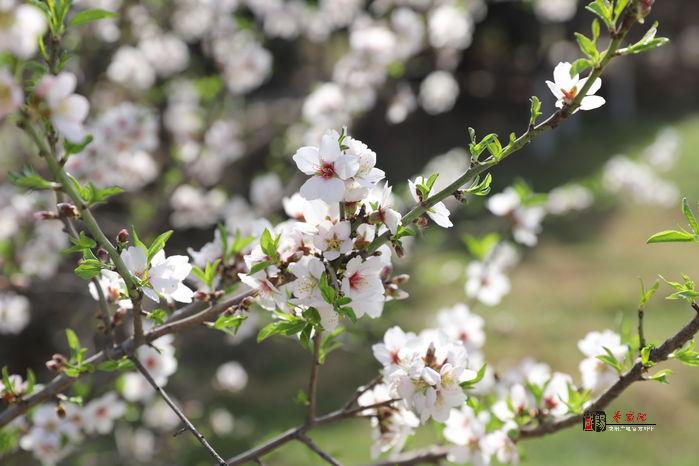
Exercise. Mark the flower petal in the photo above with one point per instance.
(307, 159)
(591, 102)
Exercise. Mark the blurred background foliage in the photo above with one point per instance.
(583, 276)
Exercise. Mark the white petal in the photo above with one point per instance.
(62, 86)
(555, 89)
(70, 129)
(346, 166)
(597, 83)
(330, 147)
(307, 159)
(182, 294)
(77, 107)
(329, 190)
(440, 214)
(591, 102)
(561, 76)
(150, 292)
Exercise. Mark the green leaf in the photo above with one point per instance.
(157, 316)
(619, 8)
(259, 266)
(88, 16)
(158, 244)
(122, 364)
(610, 359)
(77, 147)
(691, 219)
(73, 341)
(327, 292)
(645, 356)
(535, 110)
(480, 247)
(603, 9)
(80, 244)
(587, 46)
(647, 42)
(240, 242)
(89, 268)
(99, 195)
(227, 323)
(268, 244)
(646, 295)
(29, 179)
(479, 376)
(330, 344)
(661, 376)
(671, 236)
(7, 383)
(580, 65)
(283, 327)
(688, 355)
(301, 399)
(595, 30)
(481, 188)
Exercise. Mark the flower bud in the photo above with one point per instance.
(68, 210)
(60, 410)
(57, 362)
(119, 315)
(421, 221)
(122, 236)
(102, 254)
(400, 279)
(202, 296)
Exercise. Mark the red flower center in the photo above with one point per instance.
(326, 170)
(356, 280)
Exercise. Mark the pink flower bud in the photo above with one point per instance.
(122, 236)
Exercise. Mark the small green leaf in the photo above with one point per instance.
(580, 65)
(481, 188)
(122, 364)
(157, 316)
(77, 147)
(587, 46)
(645, 356)
(259, 266)
(661, 376)
(89, 268)
(7, 383)
(535, 110)
(691, 219)
(327, 292)
(646, 295)
(479, 376)
(301, 399)
(73, 341)
(29, 179)
(158, 244)
(227, 323)
(88, 16)
(672, 236)
(80, 244)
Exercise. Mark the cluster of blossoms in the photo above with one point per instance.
(54, 429)
(121, 153)
(432, 375)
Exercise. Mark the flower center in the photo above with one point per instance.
(356, 280)
(326, 170)
(570, 95)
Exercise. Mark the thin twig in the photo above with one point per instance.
(362, 390)
(313, 379)
(634, 374)
(163, 394)
(641, 337)
(303, 438)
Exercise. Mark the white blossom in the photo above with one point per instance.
(68, 110)
(566, 87)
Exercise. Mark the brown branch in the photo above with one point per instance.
(313, 379)
(641, 336)
(254, 454)
(634, 374)
(62, 382)
(163, 394)
(361, 390)
(303, 438)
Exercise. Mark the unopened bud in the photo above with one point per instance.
(68, 210)
(644, 7)
(421, 221)
(398, 247)
(247, 302)
(119, 315)
(122, 236)
(57, 362)
(45, 215)
(102, 254)
(60, 410)
(400, 279)
(202, 296)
